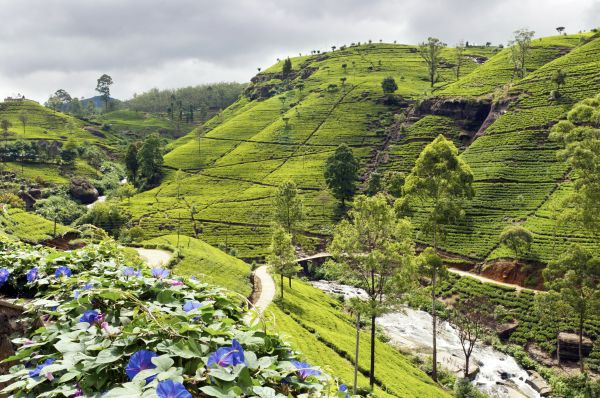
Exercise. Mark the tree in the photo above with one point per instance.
(106, 215)
(59, 209)
(389, 85)
(282, 256)
(64, 98)
(375, 247)
(558, 78)
(374, 184)
(341, 173)
(576, 276)
(442, 181)
(560, 29)
(90, 107)
(23, 119)
(520, 46)
(131, 162)
(5, 124)
(582, 153)
(472, 318)
(431, 51)
(75, 107)
(123, 191)
(287, 207)
(53, 102)
(516, 238)
(103, 87)
(287, 68)
(459, 58)
(150, 161)
(552, 311)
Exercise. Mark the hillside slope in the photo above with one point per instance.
(280, 131)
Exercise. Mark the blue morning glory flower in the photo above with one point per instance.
(90, 316)
(228, 356)
(191, 305)
(160, 273)
(130, 271)
(32, 274)
(87, 286)
(36, 372)
(304, 370)
(343, 388)
(139, 361)
(171, 389)
(62, 271)
(4, 274)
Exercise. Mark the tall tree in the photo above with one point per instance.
(517, 238)
(431, 51)
(64, 98)
(472, 318)
(341, 173)
(442, 181)
(520, 47)
(576, 276)
(131, 162)
(150, 160)
(286, 69)
(23, 119)
(376, 248)
(582, 153)
(282, 256)
(559, 78)
(103, 87)
(287, 207)
(459, 58)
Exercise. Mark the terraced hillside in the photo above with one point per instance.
(280, 131)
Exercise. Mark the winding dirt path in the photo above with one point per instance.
(154, 257)
(267, 289)
(483, 279)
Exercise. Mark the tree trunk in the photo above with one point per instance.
(558, 349)
(372, 372)
(433, 313)
(356, 353)
(290, 280)
(581, 317)
(282, 289)
(467, 358)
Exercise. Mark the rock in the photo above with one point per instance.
(568, 345)
(473, 373)
(468, 114)
(27, 198)
(538, 383)
(506, 329)
(82, 190)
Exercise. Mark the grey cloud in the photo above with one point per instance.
(146, 43)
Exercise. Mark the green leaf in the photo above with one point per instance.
(108, 356)
(211, 391)
(163, 362)
(264, 392)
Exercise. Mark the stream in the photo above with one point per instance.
(103, 197)
(499, 376)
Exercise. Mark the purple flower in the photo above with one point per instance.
(191, 305)
(62, 271)
(91, 317)
(304, 370)
(130, 271)
(32, 274)
(228, 356)
(36, 372)
(139, 361)
(171, 389)
(343, 388)
(160, 273)
(176, 282)
(4, 274)
(87, 286)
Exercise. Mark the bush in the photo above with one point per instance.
(464, 389)
(107, 216)
(12, 200)
(581, 114)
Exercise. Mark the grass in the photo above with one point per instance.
(29, 227)
(316, 324)
(208, 264)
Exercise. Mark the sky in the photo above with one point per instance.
(50, 44)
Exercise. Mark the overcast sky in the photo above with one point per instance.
(51, 44)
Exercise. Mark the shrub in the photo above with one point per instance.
(12, 200)
(107, 216)
(581, 114)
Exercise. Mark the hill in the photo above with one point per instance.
(280, 131)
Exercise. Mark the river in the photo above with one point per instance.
(500, 376)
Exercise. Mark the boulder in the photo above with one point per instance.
(468, 113)
(568, 346)
(506, 329)
(82, 190)
(538, 383)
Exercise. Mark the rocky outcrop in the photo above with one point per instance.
(568, 346)
(83, 191)
(469, 114)
(506, 329)
(538, 383)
